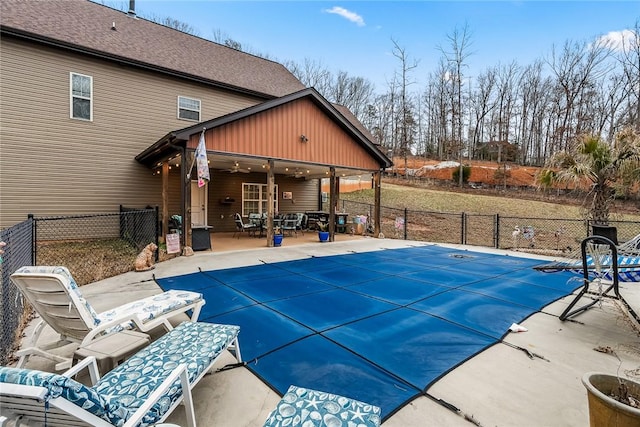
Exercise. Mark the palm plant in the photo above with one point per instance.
(593, 160)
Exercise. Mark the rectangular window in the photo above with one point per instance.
(81, 93)
(188, 108)
(254, 199)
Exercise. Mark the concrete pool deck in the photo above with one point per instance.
(502, 386)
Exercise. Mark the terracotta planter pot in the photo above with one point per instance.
(604, 410)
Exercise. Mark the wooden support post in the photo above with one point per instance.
(332, 203)
(186, 221)
(271, 184)
(165, 199)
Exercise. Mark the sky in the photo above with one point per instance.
(356, 36)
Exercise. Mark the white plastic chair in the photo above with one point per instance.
(56, 297)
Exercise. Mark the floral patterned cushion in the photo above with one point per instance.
(69, 389)
(148, 308)
(192, 343)
(309, 408)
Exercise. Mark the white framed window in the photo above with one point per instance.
(81, 96)
(188, 108)
(254, 198)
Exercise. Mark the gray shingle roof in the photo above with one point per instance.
(88, 25)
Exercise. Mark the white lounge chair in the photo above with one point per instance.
(141, 392)
(58, 300)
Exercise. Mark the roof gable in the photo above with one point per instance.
(99, 30)
(258, 130)
(331, 116)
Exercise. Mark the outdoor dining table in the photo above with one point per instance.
(261, 222)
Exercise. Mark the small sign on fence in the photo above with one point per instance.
(173, 243)
(399, 223)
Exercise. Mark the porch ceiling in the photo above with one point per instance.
(228, 162)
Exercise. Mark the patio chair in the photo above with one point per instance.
(301, 222)
(55, 296)
(242, 227)
(302, 406)
(289, 224)
(142, 392)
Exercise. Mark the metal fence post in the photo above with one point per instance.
(405, 224)
(34, 239)
(496, 232)
(157, 239)
(463, 232)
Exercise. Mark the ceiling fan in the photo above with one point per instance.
(297, 173)
(236, 168)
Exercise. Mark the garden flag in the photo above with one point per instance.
(201, 162)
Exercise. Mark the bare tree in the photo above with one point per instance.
(533, 89)
(406, 66)
(576, 67)
(312, 73)
(355, 93)
(481, 103)
(630, 59)
(456, 57)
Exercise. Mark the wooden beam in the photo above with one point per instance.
(271, 184)
(165, 199)
(333, 203)
(186, 221)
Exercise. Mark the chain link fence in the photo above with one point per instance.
(18, 252)
(93, 247)
(544, 236)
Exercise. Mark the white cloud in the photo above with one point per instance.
(619, 40)
(347, 14)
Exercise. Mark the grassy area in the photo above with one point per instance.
(434, 215)
(428, 200)
(89, 261)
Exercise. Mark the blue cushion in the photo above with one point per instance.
(122, 391)
(191, 343)
(69, 389)
(310, 408)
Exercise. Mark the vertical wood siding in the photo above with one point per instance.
(276, 134)
(53, 165)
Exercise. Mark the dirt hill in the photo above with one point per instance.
(486, 173)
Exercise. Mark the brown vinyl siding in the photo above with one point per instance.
(224, 184)
(275, 134)
(53, 165)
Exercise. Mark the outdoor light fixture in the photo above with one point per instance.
(303, 138)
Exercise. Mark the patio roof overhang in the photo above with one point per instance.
(255, 156)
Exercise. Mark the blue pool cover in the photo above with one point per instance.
(380, 327)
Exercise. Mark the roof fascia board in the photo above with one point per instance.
(161, 149)
(7, 31)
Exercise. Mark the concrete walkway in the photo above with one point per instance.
(502, 386)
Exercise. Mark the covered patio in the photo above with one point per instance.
(267, 159)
